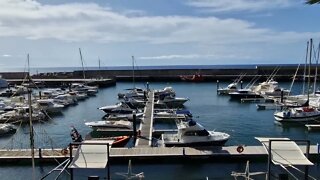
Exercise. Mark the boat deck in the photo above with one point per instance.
(146, 125)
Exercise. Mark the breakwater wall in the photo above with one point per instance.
(285, 73)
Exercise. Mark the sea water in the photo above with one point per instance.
(241, 120)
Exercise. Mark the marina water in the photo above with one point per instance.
(241, 120)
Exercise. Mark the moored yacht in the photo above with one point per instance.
(229, 89)
(191, 133)
(7, 129)
(299, 114)
(121, 108)
(244, 93)
(173, 101)
(123, 124)
(49, 106)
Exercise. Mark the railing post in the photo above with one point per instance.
(269, 160)
(71, 169)
(108, 159)
(306, 170)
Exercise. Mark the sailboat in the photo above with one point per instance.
(300, 114)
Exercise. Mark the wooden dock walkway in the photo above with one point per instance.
(146, 126)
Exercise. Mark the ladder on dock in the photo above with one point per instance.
(146, 126)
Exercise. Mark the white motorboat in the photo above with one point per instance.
(173, 101)
(78, 95)
(132, 93)
(4, 107)
(49, 106)
(123, 124)
(119, 108)
(191, 133)
(65, 99)
(7, 129)
(299, 114)
(128, 117)
(90, 90)
(270, 88)
(230, 88)
(167, 91)
(244, 93)
(21, 115)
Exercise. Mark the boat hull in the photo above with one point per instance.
(243, 96)
(195, 144)
(296, 119)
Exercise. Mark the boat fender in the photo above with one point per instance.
(64, 151)
(240, 149)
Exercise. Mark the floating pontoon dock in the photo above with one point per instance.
(145, 153)
(146, 126)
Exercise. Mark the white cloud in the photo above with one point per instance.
(78, 22)
(239, 5)
(6, 55)
(192, 56)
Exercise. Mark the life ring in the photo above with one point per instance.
(240, 149)
(64, 151)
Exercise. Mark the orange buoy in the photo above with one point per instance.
(240, 149)
(64, 151)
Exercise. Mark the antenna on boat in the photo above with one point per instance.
(30, 124)
(134, 85)
(84, 76)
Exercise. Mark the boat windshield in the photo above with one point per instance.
(197, 133)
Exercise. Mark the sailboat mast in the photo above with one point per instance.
(84, 76)
(304, 71)
(30, 125)
(99, 68)
(316, 74)
(134, 85)
(309, 71)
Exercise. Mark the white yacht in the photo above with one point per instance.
(298, 114)
(120, 108)
(230, 88)
(49, 106)
(65, 99)
(132, 93)
(191, 133)
(173, 101)
(7, 129)
(90, 90)
(123, 124)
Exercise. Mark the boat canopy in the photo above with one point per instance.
(286, 153)
(91, 155)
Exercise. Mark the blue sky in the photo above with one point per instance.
(156, 32)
